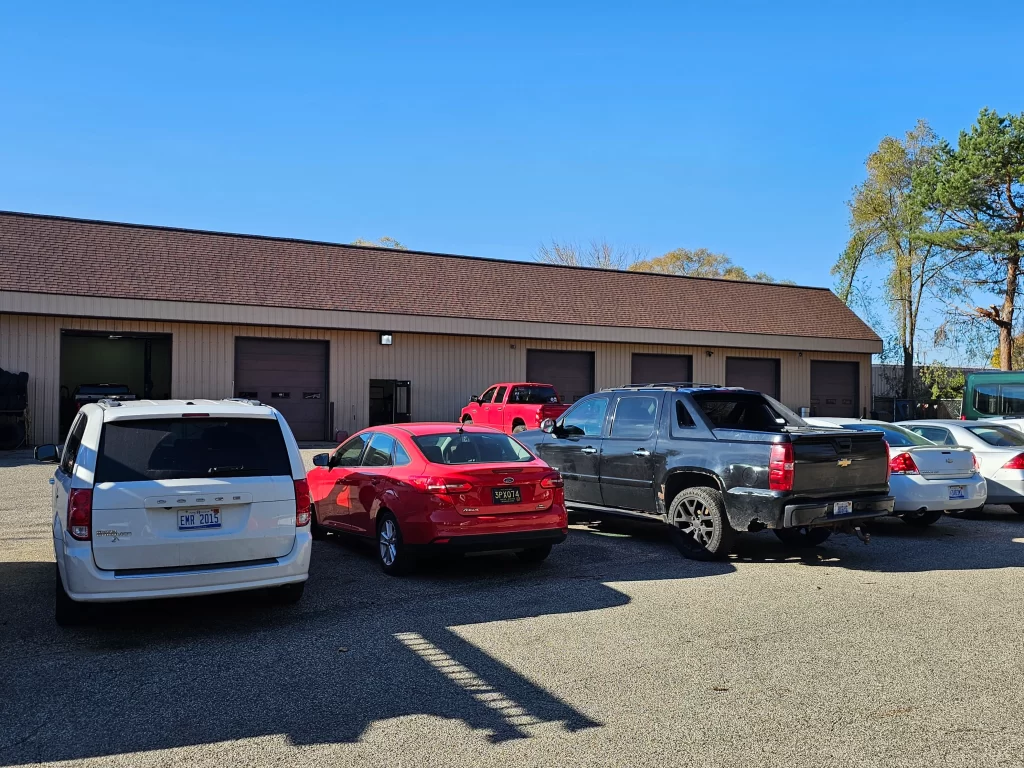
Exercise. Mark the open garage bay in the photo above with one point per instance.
(614, 652)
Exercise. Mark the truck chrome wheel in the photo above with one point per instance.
(700, 528)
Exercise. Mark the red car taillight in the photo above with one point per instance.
(903, 464)
(780, 467)
(552, 481)
(1017, 462)
(426, 484)
(302, 503)
(80, 513)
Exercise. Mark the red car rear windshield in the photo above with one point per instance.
(471, 448)
(176, 449)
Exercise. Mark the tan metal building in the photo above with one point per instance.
(339, 337)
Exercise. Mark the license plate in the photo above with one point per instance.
(198, 519)
(958, 491)
(506, 495)
(842, 508)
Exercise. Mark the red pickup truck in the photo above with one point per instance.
(513, 407)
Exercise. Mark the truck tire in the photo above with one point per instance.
(518, 427)
(922, 519)
(699, 525)
(803, 537)
(467, 420)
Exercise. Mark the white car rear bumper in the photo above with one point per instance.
(84, 582)
(914, 493)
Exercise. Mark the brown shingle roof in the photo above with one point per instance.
(45, 254)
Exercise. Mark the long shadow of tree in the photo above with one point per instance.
(361, 648)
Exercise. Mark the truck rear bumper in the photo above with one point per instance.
(823, 512)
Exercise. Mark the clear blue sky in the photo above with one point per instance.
(465, 129)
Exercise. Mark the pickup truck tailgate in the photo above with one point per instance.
(841, 461)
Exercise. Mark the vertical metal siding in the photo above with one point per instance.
(444, 369)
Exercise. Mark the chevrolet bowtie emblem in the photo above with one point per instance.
(844, 462)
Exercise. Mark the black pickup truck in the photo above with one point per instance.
(711, 461)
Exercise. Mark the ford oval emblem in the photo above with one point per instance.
(508, 480)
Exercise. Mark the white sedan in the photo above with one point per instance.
(926, 479)
(999, 448)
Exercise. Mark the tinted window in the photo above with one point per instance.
(999, 399)
(349, 453)
(683, 418)
(533, 395)
(749, 411)
(72, 444)
(500, 397)
(401, 456)
(169, 449)
(894, 435)
(1002, 436)
(586, 417)
(379, 452)
(471, 448)
(635, 416)
(486, 396)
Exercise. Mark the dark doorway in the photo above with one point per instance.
(834, 388)
(139, 361)
(757, 373)
(570, 373)
(389, 402)
(290, 375)
(661, 369)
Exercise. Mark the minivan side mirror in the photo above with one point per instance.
(547, 426)
(322, 460)
(48, 453)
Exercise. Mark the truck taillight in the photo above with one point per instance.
(80, 513)
(1017, 462)
(903, 464)
(780, 467)
(302, 503)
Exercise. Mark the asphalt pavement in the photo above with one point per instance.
(614, 652)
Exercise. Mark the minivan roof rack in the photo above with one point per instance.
(109, 402)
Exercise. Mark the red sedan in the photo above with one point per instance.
(423, 488)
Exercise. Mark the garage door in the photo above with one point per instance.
(571, 373)
(753, 373)
(834, 388)
(661, 369)
(289, 375)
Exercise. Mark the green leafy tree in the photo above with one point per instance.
(976, 189)
(889, 227)
(384, 242)
(943, 382)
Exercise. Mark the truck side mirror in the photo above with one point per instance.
(547, 426)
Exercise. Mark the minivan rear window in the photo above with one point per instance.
(175, 449)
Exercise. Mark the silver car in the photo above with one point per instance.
(999, 448)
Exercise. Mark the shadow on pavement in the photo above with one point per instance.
(360, 648)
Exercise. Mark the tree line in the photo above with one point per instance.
(945, 222)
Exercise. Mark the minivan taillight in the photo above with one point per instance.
(80, 513)
(780, 467)
(302, 502)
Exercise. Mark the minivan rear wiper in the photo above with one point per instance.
(223, 470)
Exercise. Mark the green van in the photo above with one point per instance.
(994, 394)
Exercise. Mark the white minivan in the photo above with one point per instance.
(172, 498)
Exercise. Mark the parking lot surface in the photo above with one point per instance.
(614, 652)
